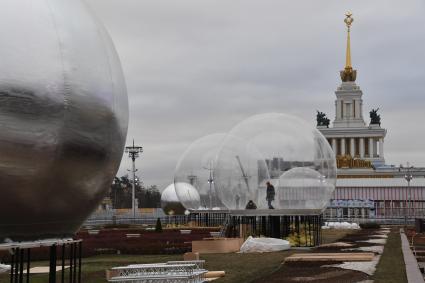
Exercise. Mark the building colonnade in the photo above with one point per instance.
(370, 147)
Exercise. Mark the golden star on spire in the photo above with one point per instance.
(348, 19)
(348, 74)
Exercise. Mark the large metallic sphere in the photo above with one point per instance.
(63, 117)
(170, 202)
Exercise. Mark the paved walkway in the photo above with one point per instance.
(413, 273)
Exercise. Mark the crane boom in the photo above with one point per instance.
(244, 175)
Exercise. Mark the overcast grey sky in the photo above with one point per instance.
(196, 67)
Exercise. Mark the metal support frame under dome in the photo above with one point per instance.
(300, 230)
(67, 251)
(303, 228)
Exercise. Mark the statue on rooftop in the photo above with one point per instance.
(375, 118)
(322, 120)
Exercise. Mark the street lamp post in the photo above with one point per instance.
(133, 152)
(408, 177)
(210, 182)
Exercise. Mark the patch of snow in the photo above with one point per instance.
(374, 249)
(368, 267)
(336, 244)
(379, 236)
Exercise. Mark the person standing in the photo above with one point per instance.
(270, 193)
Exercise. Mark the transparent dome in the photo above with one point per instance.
(170, 203)
(239, 171)
(303, 187)
(64, 113)
(268, 146)
(196, 167)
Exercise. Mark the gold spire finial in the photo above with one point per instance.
(348, 21)
(348, 74)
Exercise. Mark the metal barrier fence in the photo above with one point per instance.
(218, 218)
(149, 221)
(202, 219)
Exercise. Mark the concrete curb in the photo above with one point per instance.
(413, 273)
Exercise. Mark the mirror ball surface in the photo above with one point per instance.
(170, 203)
(63, 113)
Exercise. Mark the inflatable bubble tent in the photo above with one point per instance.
(195, 168)
(278, 148)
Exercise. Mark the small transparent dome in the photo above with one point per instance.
(281, 149)
(170, 203)
(303, 187)
(196, 167)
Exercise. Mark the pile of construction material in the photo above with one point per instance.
(340, 225)
(180, 271)
(260, 245)
(191, 269)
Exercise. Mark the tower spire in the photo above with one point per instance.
(348, 74)
(348, 21)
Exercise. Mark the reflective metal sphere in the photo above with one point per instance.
(63, 117)
(170, 202)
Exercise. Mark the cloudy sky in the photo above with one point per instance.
(196, 67)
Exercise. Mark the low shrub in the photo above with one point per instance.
(158, 226)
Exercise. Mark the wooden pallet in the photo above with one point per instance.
(331, 257)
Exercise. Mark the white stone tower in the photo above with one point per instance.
(356, 144)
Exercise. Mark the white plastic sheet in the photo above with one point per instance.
(340, 225)
(4, 268)
(260, 245)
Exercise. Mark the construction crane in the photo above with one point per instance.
(244, 175)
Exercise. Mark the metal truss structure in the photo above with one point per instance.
(170, 272)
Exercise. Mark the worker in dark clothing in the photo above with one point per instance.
(251, 205)
(270, 193)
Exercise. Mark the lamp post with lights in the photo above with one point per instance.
(408, 177)
(133, 152)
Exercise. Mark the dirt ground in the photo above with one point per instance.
(313, 272)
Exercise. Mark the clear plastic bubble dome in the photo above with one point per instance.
(283, 150)
(240, 169)
(196, 167)
(64, 113)
(303, 187)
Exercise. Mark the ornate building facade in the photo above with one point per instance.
(366, 186)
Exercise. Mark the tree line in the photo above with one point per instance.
(120, 194)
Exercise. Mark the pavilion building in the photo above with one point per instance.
(366, 186)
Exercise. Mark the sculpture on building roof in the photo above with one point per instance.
(322, 120)
(375, 118)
